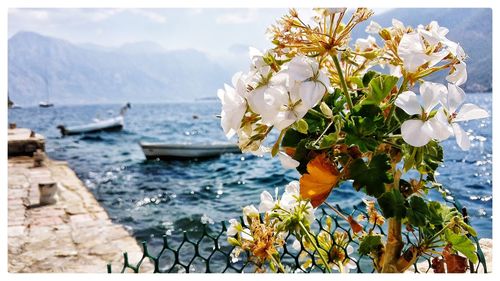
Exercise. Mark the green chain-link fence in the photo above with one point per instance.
(209, 250)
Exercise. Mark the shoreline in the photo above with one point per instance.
(73, 235)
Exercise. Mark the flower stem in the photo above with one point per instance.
(313, 242)
(342, 81)
(278, 263)
(393, 108)
(322, 134)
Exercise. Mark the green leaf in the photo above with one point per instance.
(373, 176)
(315, 124)
(392, 204)
(292, 138)
(362, 127)
(328, 140)
(418, 211)
(436, 211)
(370, 243)
(301, 155)
(432, 158)
(379, 87)
(462, 244)
(369, 76)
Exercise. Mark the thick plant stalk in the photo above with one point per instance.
(393, 247)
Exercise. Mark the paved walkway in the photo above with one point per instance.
(74, 235)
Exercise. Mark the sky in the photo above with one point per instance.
(220, 33)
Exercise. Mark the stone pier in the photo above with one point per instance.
(73, 235)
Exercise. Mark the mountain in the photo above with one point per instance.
(144, 71)
(472, 28)
(138, 72)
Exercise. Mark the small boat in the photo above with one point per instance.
(111, 124)
(167, 151)
(45, 104)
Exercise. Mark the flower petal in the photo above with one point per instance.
(408, 102)
(431, 94)
(300, 69)
(373, 28)
(462, 138)
(470, 111)
(266, 202)
(459, 76)
(287, 162)
(455, 98)
(436, 129)
(413, 133)
(311, 92)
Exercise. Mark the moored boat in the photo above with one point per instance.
(111, 124)
(168, 151)
(45, 104)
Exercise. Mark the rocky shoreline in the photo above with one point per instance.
(73, 235)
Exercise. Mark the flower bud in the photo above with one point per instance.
(301, 126)
(326, 110)
(385, 34)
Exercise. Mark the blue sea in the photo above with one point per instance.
(153, 198)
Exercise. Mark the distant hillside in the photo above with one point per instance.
(472, 28)
(91, 74)
(144, 71)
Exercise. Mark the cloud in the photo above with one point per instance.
(232, 17)
(151, 15)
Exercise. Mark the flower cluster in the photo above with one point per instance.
(287, 214)
(341, 120)
(418, 52)
(273, 94)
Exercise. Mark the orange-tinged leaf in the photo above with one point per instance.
(321, 177)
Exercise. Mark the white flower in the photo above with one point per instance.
(258, 63)
(395, 70)
(233, 106)
(267, 100)
(287, 162)
(435, 34)
(314, 82)
(459, 75)
(364, 44)
(373, 28)
(249, 211)
(292, 110)
(418, 132)
(412, 51)
(246, 234)
(267, 202)
(290, 201)
(234, 225)
(398, 25)
(451, 113)
(235, 254)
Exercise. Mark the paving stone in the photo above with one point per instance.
(73, 235)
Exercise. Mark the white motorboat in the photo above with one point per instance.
(186, 151)
(111, 124)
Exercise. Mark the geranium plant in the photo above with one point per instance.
(364, 113)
